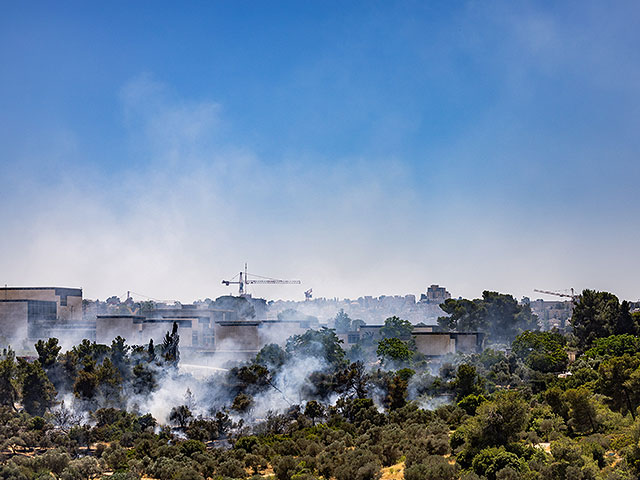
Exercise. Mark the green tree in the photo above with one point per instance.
(614, 375)
(242, 403)
(598, 315)
(272, 356)
(393, 350)
(120, 355)
(314, 410)
(47, 352)
(321, 343)
(170, 350)
(395, 327)
(497, 422)
(464, 315)
(144, 380)
(38, 393)
(357, 464)
(505, 318)
(432, 467)
(631, 390)
(190, 447)
(352, 380)
(151, 352)
(495, 313)
(357, 353)
(470, 403)
(86, 381)
(397, 389)
(582, 411)
(467, 382)
(92, 350)
(491, 460)
(109, 382)
(614, 346)
(625, 323)
(8, 378)
(180, 415)
(113, 301)
(342, 322)
(541, 351)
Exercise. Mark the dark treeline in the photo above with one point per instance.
(309, 410)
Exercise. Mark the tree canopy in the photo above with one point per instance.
(342, 322)
(499, 315)
(392, 350)
(541, 351)
(395, 327)
(322, 343)
(600, 314)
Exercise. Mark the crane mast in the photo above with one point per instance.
(243, 280)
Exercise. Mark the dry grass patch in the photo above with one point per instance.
(394, 472)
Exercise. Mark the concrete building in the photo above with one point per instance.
(248, 335)
(34, 313)
(435, 294)
(278, 331)
(238, 336)
(435, 344)
(128, 327)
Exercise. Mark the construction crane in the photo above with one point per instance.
(243, 281)
(573, 296)
(308, 294)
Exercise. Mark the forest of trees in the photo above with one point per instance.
(533, 405)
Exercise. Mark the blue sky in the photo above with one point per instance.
(364, 147)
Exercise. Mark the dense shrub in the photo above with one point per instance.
(432, 467)
(490, 461)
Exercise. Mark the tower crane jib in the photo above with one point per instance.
(243, 280)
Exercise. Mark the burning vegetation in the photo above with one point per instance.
(535, 404)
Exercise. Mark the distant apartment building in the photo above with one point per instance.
(28, 314)
(552, 314)
(435, 294)
(372, 310)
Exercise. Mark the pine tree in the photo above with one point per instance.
(38, 393)
(151, 352)
(8, 390)
(171, 353)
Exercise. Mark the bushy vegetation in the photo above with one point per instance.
(524, 412)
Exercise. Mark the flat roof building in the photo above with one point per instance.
(28, 314)
(435, 344)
